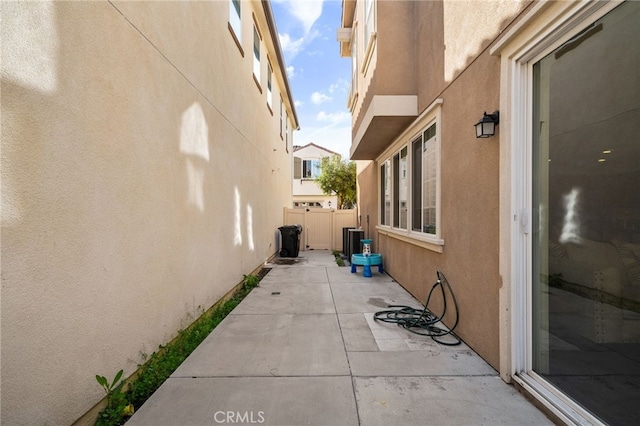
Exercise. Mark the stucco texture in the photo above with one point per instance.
(134, 192)
(469, 219)
(453, 64)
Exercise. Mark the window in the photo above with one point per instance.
(281, 116)
(409, 187)
(256, 55)
(354, 68)
(385, 193)
(424, 182)
(286, 131)
(306, 169)
(235, 24)
(269, 90)
(369, 21)
(303, 204)
(400, 187)
(310, 169)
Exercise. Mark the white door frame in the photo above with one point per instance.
(545, 27)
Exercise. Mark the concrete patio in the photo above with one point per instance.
(303, 349)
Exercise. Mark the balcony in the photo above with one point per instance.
(383, 118)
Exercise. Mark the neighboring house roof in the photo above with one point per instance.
(298, 148)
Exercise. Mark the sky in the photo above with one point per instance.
(319, 77)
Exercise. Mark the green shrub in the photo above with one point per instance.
(158, 366)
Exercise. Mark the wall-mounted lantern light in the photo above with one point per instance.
(486, 127)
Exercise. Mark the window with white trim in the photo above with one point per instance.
(256, 54)
(425, 183)
(311, 169)
(400, 189)
(234, 19)
(286, 131)
(385, 193)
(281, 117)
(409, 185)
(354, 63)
(269, 89)
(369, 22)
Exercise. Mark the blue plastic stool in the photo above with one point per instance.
(366, 261)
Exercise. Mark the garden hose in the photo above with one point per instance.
(423, 321)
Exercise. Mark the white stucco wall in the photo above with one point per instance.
(306, 190)
(134, 191)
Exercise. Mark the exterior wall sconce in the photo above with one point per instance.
(486, 127)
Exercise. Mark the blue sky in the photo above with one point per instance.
(318, 76)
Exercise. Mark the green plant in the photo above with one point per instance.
(158, 366)
(117, 407)
(249, 282)
(338, 257)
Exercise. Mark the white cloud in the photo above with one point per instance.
(317, 98)
(341, 86)
(298, 104)
(334, 117)
(291, 71)
(291, 47)
(306, 12)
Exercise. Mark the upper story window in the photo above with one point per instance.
(235, 23)
(369, 23)
(269, 88)
(256, 54)
(281, 117)
(354, 69)
(286, 131)
(306, 169)
(369, 42)
(311, 169)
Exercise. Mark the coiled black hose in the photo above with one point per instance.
(422, 321)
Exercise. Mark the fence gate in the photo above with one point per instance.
(321, 228)
(318, 228)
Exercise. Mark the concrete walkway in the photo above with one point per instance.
(303, 349)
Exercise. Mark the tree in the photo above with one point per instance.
(339, 176)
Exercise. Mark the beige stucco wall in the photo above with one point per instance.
(134, 192)
(367, 200)
(454, 65)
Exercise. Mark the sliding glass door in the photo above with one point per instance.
(585, 283)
